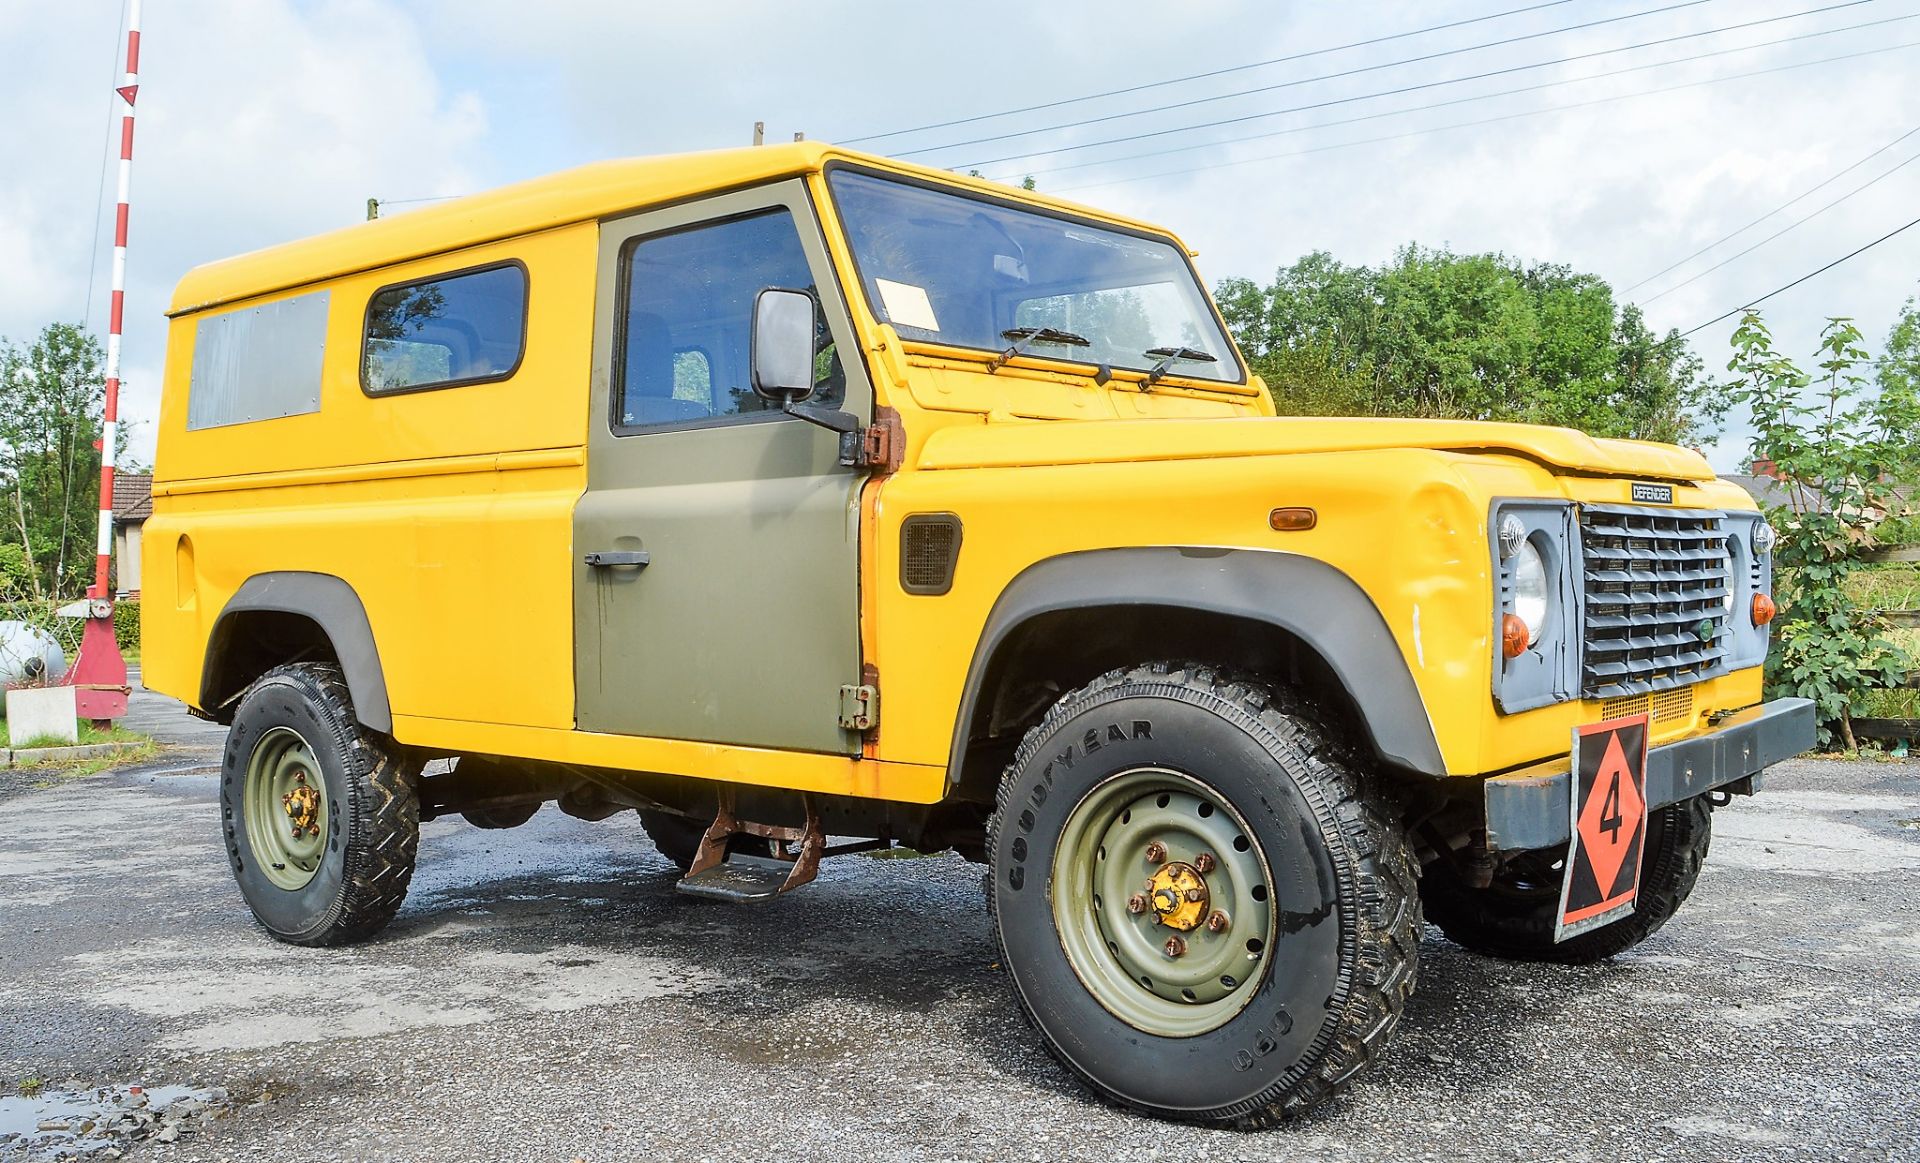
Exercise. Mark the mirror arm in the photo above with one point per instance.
(829, 418)
(878, 446)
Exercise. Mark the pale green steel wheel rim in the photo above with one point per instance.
(285, 798)
(1107, 855)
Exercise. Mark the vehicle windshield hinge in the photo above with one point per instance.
(860, 707)
(880, 445)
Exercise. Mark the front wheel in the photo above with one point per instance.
(321, 817)
(1515, 916)
(1208, 912)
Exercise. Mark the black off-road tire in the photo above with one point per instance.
(677, 837)
(372, 807)
(1514, 917)
(1342, 966)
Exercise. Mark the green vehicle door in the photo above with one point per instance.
(716, 549)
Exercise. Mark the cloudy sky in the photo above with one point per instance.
(266, 120)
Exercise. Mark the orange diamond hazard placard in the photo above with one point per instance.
(1609, 806)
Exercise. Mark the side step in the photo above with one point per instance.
(741, 878)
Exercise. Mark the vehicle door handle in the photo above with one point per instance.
(608, 559)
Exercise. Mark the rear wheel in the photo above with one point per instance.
(1205, 906)
(321, 817)
(1514, 917)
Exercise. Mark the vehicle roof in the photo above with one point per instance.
(598, 190)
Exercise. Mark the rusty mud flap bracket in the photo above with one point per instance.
(1529, 808)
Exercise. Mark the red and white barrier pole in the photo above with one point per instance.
(109, 433)
(99, 674)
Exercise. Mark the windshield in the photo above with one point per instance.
(947, 268)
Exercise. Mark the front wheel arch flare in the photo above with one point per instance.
(1316, 604)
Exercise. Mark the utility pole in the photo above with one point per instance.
(759, 133)
(99, 674)
(373, 209)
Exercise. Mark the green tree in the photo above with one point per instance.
(1900, 366)
(1433, 333)
(50, 406)
(1844, 448)
(1899, 377)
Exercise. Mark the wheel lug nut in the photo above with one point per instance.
(1156, 852)
(1174, 947)
(299, 777)
(1196, 895)
(1137, 903)
(1217, 923)
(1203, 863)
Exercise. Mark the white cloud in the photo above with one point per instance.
(259, 121)
(267, 119)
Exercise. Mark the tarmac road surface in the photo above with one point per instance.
(545, 995)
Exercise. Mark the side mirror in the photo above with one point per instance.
(782, 349)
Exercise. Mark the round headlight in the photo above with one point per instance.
(1530, 589)
(1763, 539)
(1728, 557)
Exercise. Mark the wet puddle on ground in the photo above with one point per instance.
(81, 1123)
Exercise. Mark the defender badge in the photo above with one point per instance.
(1653, 494)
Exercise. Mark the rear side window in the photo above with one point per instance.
(465, 328)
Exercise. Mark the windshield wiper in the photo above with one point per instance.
(1023, 337)
(1168, 356)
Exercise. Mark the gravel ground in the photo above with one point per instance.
(545, 995)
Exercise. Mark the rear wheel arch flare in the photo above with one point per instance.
(274, 617)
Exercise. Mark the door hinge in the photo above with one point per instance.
(859, 707)
(880, 445)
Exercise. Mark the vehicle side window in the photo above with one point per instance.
(687, 321)
(465, 328)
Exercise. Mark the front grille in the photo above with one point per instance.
(1656, 582)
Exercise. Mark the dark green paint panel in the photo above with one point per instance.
(744, 624)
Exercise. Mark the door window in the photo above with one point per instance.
(687, 321)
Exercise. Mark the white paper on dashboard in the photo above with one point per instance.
(907, 305)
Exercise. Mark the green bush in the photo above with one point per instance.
(1844, 450)
(67, 631)
(1903, 530)
(126, 626)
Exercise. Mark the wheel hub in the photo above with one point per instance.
(302, 805)
(1178, 896)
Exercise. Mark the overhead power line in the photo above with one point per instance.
(1299, 56)
(1849, 256)
(1298, 81)
(1332, 101)
(1783, 230)
(1432, 105)
(1525, 113)
(100, 183)
(1803, 195)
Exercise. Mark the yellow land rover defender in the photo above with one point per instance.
(791, 493)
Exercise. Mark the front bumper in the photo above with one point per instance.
(1530, 808)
